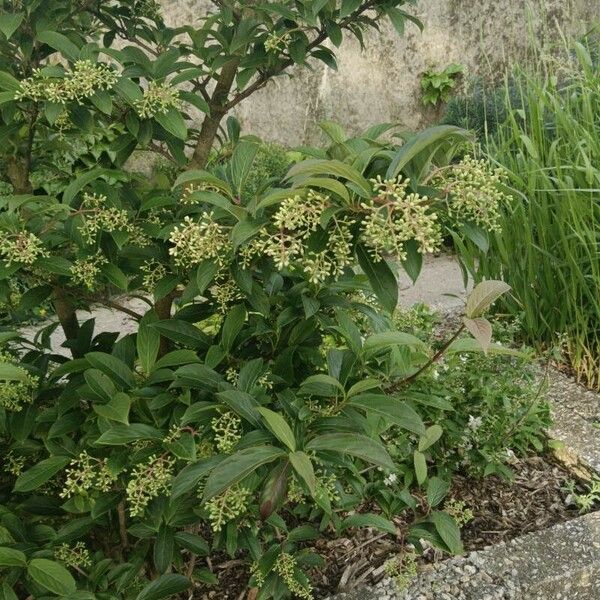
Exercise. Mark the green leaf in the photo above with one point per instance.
(199, 376)
(181, 332)
(52, 576)
(115, 276)
(357, 445)
(176, 358)
(8, 82)
(278, 426)
(430, 436)
(472, 345)
(9, 557)
(7, 592)
(192, 542)
(9, 23)
(413, 262)
(205, 274)
(59, 42)
(234, 321)
(241, 164)
(370, 520)
(119, 435)
(100, 384)
(112, 366)
(380, 277)
(397, 18)
(55, 264)
(10, 372)
(437, 489)
(37, 475)
(321, 385)
(237, 466)
(394, 410)
(420, 465)
(334, 168)
(165, 586)
(448, 530)
(304, 467)
(81, 181)
(116, 410)
(428, 141)
(389, 339)
(173, 122)
(164, 547)
(102, 100)
(483, 296)
(242, 403)
(147, 341)
(190, 476)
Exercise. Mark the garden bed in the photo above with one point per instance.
(502, 510)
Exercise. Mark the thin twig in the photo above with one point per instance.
(435, 358)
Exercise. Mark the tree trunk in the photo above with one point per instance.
(65, 311)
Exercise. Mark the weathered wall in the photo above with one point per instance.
(382, 82)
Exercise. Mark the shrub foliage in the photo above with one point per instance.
(251, 409)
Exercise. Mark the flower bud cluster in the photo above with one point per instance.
(459, 511)
(85, 271)
(187, 196)
(77, 556)
(224, 293)
(194, 242)
(87, 474)
(15, 394)
(13, 464)
(472, 189)
(158, 98)
(83, 81)
(153, 272)
(229, 505)
(396, 216)
(21, 248)
(98, 217)
(296, 219)
(149, 9)
(148, 480)
(286, 567)
(227, 428)
(275, 44)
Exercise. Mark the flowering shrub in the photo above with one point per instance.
(253, 407)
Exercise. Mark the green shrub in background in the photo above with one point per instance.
(482, 108)
(548, 247)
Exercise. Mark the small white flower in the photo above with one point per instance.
(390, 479)
(475, 422)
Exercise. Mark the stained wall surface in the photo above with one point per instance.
(382, 82)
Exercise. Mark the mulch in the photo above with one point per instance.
(534, 500)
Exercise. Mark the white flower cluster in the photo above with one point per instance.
(158, 98)
(472, 189)
(297, 218)
(194, 242)
(86, 474)
(23, 248)
(83, 81)
(396, 216)
(98, 217)
(85, 271)
(15, 394)
(231, 504)
(148, 480)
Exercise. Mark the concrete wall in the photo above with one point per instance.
(382, 83)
